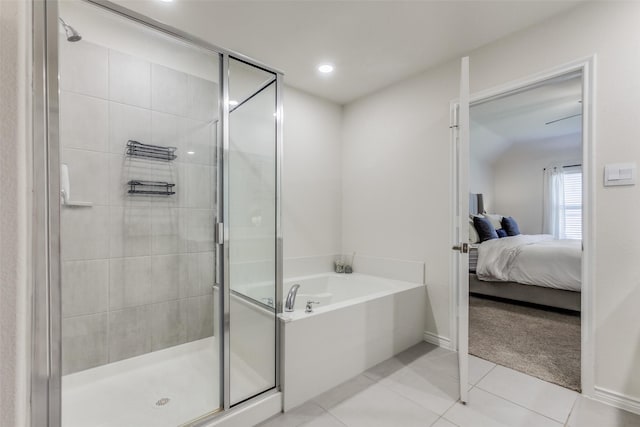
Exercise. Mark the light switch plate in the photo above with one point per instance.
(619, 174)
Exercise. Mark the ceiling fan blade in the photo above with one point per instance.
(564, 118)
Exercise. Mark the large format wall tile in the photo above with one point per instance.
(138, 269)
(123, 169)
(129, 282)
(168, 130)
(168, 234)
(200, 179)
(202, 99)
(88, 175)
(85, 233)
(83, 122)
(84, 68)
(200, 142)
(84, 342)
(85, 287)
(129, 80)
(175, 173)
(168, 324)
(127, 123)
(201, 274)
(199, 317)
(129, 332)
(168, 90)
(167, 273)
(130, 231)
(200, 223)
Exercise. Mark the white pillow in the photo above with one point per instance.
(473, 233)
(495, 220)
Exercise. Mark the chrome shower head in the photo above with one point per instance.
(72, 34)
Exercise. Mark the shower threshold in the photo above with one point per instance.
(168, 387)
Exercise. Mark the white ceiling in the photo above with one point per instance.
(522, 117)
(371, 43)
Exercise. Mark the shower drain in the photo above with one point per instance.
(163, 401)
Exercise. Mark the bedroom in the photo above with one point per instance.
(525, 183)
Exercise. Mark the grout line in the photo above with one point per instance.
(333, 416)
(445, 412)
(449, 408)
(485, 375)
(441, 417)
(520, 405)
(436, 421)
(573, 407)
(406, 398)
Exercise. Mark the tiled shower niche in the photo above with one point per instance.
(137, 271)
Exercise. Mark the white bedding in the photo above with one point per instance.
(532, 260)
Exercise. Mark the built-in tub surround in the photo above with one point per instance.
(360, 321)
(252, 344)
(137, 271)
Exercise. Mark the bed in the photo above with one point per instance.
(529, 268)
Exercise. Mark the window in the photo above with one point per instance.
(562, 202)
(572, 187)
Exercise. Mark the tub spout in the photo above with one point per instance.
(291, 298)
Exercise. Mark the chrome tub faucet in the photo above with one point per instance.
(291, 298)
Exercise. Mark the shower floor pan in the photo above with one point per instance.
(165, 388)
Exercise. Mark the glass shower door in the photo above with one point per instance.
(252, 230)
(138, 138)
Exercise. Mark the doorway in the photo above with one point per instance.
(460, 232)
(525, 182)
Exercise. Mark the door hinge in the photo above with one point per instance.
(219, 233)
(455, 118)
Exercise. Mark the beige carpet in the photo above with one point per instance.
(542, 343)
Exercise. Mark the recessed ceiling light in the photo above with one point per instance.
(166, 1)
(191, 152)
(325, 68)
(233, 103)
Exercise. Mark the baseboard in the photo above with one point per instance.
(617, 400)
(437, 340)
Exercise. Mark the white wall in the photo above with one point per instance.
(396, 191)
(518, 177)
(481, 180)
(312, 196)
(15, 173)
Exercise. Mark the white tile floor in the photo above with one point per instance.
(420, 388)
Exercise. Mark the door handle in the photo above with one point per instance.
(462, 248)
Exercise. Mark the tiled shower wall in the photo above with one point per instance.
(137, 271)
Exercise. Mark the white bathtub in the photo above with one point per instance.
(332, 291)
(361, 321)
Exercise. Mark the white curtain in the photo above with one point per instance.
(553, 202)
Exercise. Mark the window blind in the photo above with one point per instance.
(573, 203)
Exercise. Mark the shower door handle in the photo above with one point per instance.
(219, 233)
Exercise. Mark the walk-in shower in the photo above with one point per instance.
(164, 242)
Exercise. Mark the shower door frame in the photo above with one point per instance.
(46, 309)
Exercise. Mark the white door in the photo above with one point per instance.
(461, 125)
